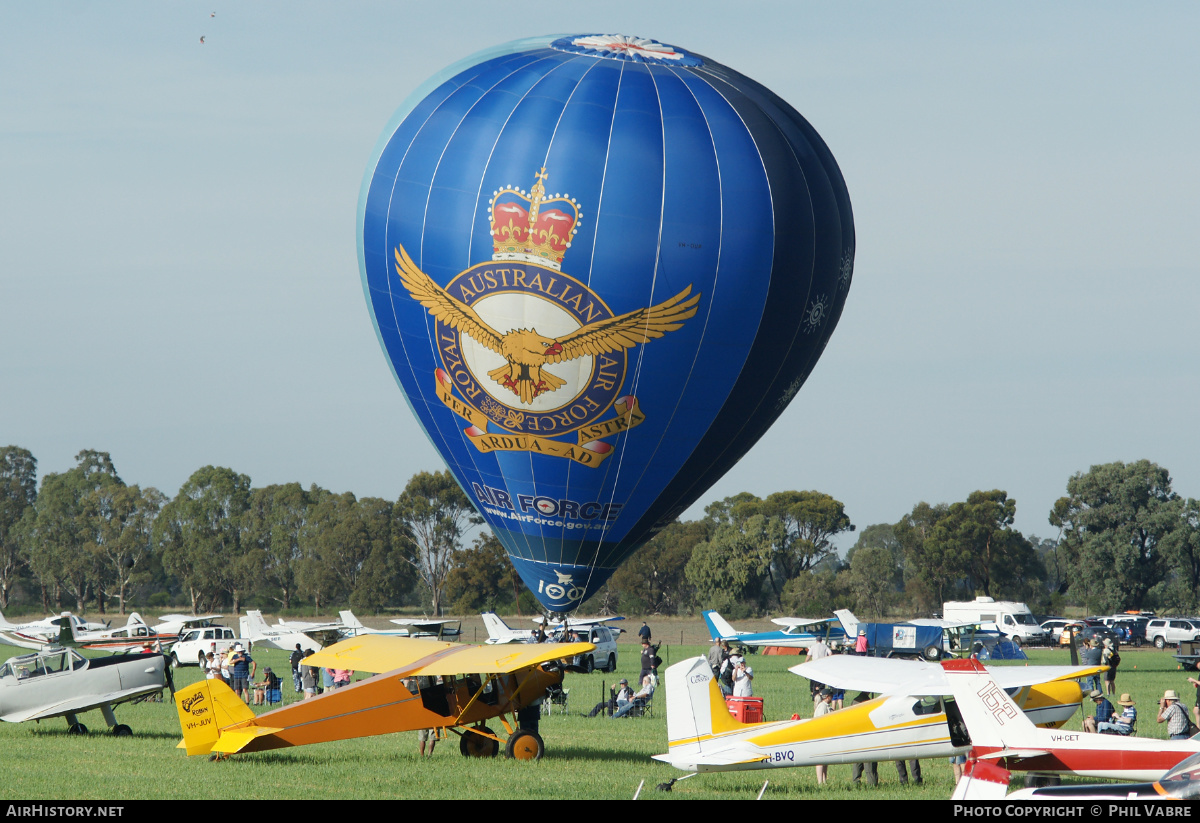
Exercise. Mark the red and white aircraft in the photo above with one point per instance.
(40, 634)
(1002, 735)
(133, 636)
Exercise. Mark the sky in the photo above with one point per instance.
(179, 281)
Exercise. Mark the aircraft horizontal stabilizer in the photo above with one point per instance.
(981, 781)
(235, 740)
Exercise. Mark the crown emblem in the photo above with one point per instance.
(532, 227)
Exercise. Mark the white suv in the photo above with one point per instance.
(195, 643)
(1163, 632)
(604, 657)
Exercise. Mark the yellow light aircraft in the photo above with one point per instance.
(419, 684)
(911, 720)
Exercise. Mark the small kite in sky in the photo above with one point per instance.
(202, 39)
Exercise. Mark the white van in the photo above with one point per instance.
(1014, 620)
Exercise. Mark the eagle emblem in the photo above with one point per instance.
(526, 352)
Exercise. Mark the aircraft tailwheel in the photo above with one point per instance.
(77, 728)
(121, 730)
(473, 744)
(525, 745)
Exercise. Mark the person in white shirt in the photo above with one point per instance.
(742, 677)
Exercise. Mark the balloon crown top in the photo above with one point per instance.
(532, 226)
(632, 49)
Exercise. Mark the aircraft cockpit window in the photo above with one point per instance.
(55, 663)
(6, 671)
(78, 661)
(927, 705)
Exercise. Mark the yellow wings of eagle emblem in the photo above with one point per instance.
(526, 351)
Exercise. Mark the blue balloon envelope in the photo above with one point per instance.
(600, 267)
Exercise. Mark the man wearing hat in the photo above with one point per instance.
(1122, 724)
(1104, 712)
(1171, 712)
(860, 645)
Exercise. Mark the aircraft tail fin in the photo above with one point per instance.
(696, 711)
(349, 620)
(993, 720)
(255, 625)
(206, 709)
(849, 622)
(66, 631)
(981, 781)
(718, 627)
(498, 631)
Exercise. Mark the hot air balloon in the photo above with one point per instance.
(600, 267)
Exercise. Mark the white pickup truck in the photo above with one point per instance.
(195, 643)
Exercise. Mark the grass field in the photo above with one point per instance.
(586, 758)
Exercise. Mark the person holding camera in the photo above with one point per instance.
(743, 676)
(1172, 713)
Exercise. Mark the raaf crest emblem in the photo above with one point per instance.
(530, 350)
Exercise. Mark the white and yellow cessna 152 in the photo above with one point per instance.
(909, 720)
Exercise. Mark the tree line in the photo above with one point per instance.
(84, 538)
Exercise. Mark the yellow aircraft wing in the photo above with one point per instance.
(377, 653)
(501, 659)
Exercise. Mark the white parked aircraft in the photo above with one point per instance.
(447, 629)
(908, 721)
(310, 636)
(177, 623)
(500, 632)
(355, 627)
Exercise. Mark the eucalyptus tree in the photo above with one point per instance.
(123, 522)
(199, 535)
(434, 515)
(275, 522)
(1116, 522)
(63, 534)
(18, 492)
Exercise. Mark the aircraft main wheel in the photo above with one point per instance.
(589, 665)
(473, 744)
(525, 745)
(612, 663)
(121, 730)
(77, 728)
